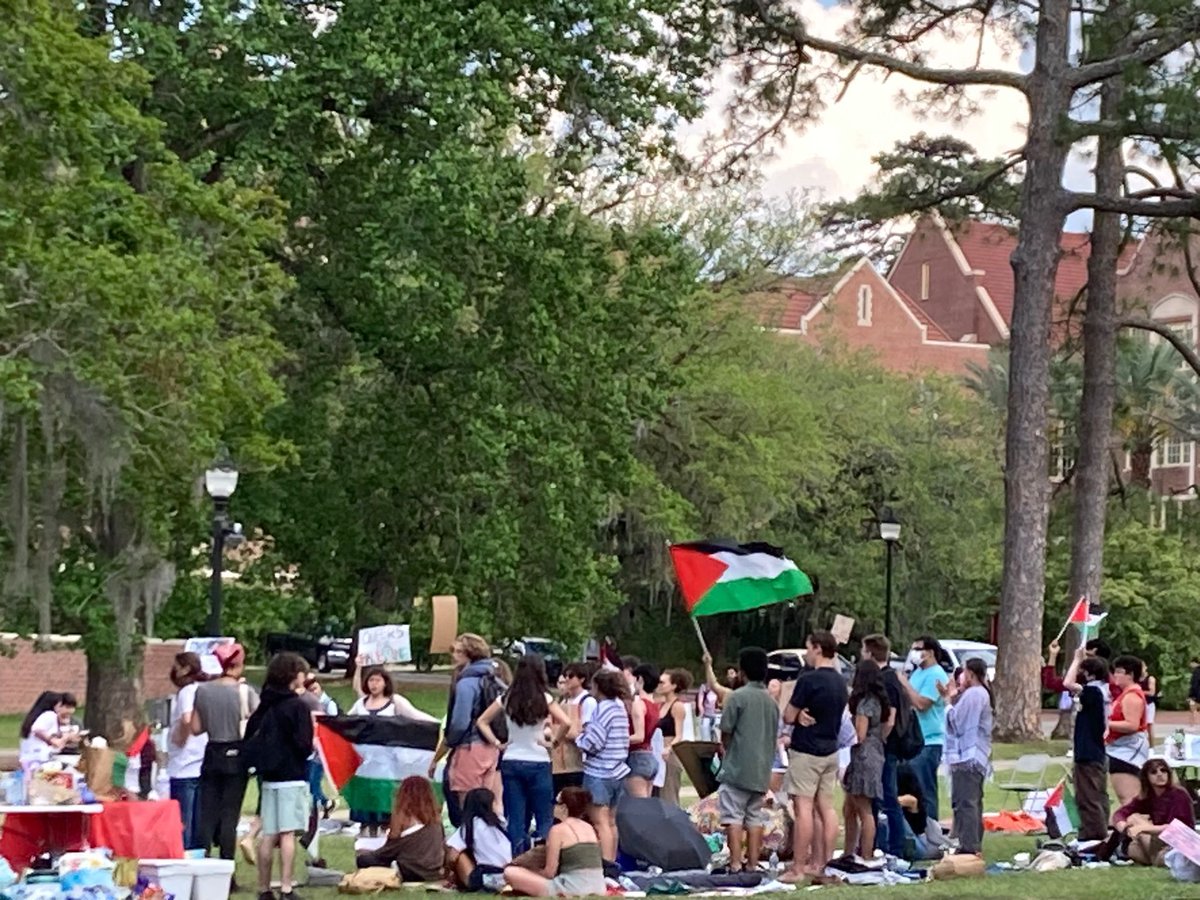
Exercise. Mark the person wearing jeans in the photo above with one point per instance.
(185, 751)
(525, 769)
(879, 648)
(969, 754)
(928, 688)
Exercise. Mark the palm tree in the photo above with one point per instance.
(1151, 389)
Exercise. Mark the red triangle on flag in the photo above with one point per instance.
(697, 572)
(340, 758)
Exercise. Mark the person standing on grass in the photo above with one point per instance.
(969, 754)
(873, 721)
(815, 710)
(749, 726)
(474, 763)
(643, 761)
(185, 751)
(1126, 743)
(1087, 679)
(927, 688)
(673, 723)
(579, 704)
(605, 746)
(1193, 697)
(279, 741)
(222, 708)
(878, 648)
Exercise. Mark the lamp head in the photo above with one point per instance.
(221, 480)
(889, 525)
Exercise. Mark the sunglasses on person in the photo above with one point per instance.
(1158, 770)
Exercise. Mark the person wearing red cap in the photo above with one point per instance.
(221, 709)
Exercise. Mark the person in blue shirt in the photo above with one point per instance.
(928, 688)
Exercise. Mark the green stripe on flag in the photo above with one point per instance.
(750, 593)
(372, 795)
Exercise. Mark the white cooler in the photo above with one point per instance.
(190, 879)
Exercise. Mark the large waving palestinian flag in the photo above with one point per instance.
(718, 578)
(366, 757)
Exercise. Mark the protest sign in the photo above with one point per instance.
(445, 623)
(204, 647)
(384, 644)
(842, 626)
(1182, 838)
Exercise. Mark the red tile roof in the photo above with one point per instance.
(933, 331)
(784, 303)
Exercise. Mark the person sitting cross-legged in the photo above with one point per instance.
(573, 864)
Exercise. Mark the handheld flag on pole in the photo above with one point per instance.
(1085, 615)
(719, 578)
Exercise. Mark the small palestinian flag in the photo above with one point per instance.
(1086, 615)
(366, 757)
(1062, 816)
(720, 578)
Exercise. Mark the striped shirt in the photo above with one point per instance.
(605, 741)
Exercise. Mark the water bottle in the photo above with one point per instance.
(774, 864)
(1169, 747)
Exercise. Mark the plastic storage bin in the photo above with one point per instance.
(174, 876)
(210, 878)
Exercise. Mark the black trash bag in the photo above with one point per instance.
(660, 835)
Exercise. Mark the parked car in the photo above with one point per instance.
(961, 651)
(553, 653)
(324, 653)
(786, 665)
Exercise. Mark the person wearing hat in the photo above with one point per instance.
(222, 707)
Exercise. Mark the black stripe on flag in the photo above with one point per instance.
(721, 546)
(385, 731)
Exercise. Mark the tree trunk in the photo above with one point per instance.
(114, 694)
(1139, 465)
(1099, 383)
(1026, 472)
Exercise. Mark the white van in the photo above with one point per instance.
(961, 651)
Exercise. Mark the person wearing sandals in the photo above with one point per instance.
(573, 864)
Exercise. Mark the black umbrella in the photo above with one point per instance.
(660, 835)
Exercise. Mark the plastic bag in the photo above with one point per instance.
(1182, 868)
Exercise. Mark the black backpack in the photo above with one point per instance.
(491, 689)
(906, 740)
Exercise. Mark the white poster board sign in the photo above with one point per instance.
(842, 627)
(384, 644)
(204, 647)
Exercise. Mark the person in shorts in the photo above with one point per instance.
(605, 746)
(279, 741)
(749, 726)
(815, 712)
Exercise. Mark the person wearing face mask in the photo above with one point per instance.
(928, 688)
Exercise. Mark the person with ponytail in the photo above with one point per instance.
(969, 753)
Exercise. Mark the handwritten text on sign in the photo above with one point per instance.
(385, 644)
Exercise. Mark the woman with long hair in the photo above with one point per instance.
(526, 772)
(605, 746)
(672, 722)
(415, 843)
(873, 718)
(573, 865)
(1159, 802)
(41, 729)
(479, 850)
(1126, 743)
(377, 696)
(185, 751)
(969, 753)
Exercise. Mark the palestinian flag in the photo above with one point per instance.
(1062, 816)
(366, 757)
(1086, 615)
(720, 578)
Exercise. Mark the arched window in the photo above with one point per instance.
(864, 305)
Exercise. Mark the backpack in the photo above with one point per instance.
(906, 740)
(491, 689)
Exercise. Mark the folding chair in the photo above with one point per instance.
(1027, 775)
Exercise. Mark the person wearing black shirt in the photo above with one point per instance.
(1087, 679)
(878, 648)
(815, 710)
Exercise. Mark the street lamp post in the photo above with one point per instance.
(220, 481)
(889, 533)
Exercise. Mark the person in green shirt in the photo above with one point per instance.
(749, 725)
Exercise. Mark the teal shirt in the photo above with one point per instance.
(933, 720)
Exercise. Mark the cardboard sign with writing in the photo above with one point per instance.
(842, 626)
(1184, 839)
(384, 644)
(445, 623)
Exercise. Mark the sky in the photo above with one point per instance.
(832, 157)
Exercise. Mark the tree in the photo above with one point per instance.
(781, 74)
(135, 338)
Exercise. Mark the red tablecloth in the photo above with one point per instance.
(149, 829)
(26, 836)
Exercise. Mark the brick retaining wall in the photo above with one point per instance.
(26, 672)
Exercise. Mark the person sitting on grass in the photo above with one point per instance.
(480, 847)
(573, 865)
(415, 842)
(1143, 819)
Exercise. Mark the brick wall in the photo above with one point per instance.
(26, 672)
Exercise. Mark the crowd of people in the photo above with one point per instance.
(534, 773)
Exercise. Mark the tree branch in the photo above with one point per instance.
(1152, 209)
(1153, 45)
(1164, 331)
(797, 33)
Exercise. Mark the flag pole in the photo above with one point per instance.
(699, 635)
(1067, 623)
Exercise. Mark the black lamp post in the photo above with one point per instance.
(889, 533)
(220, 481)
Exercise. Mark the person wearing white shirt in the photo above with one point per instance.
(185, 750)
(42, 730)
